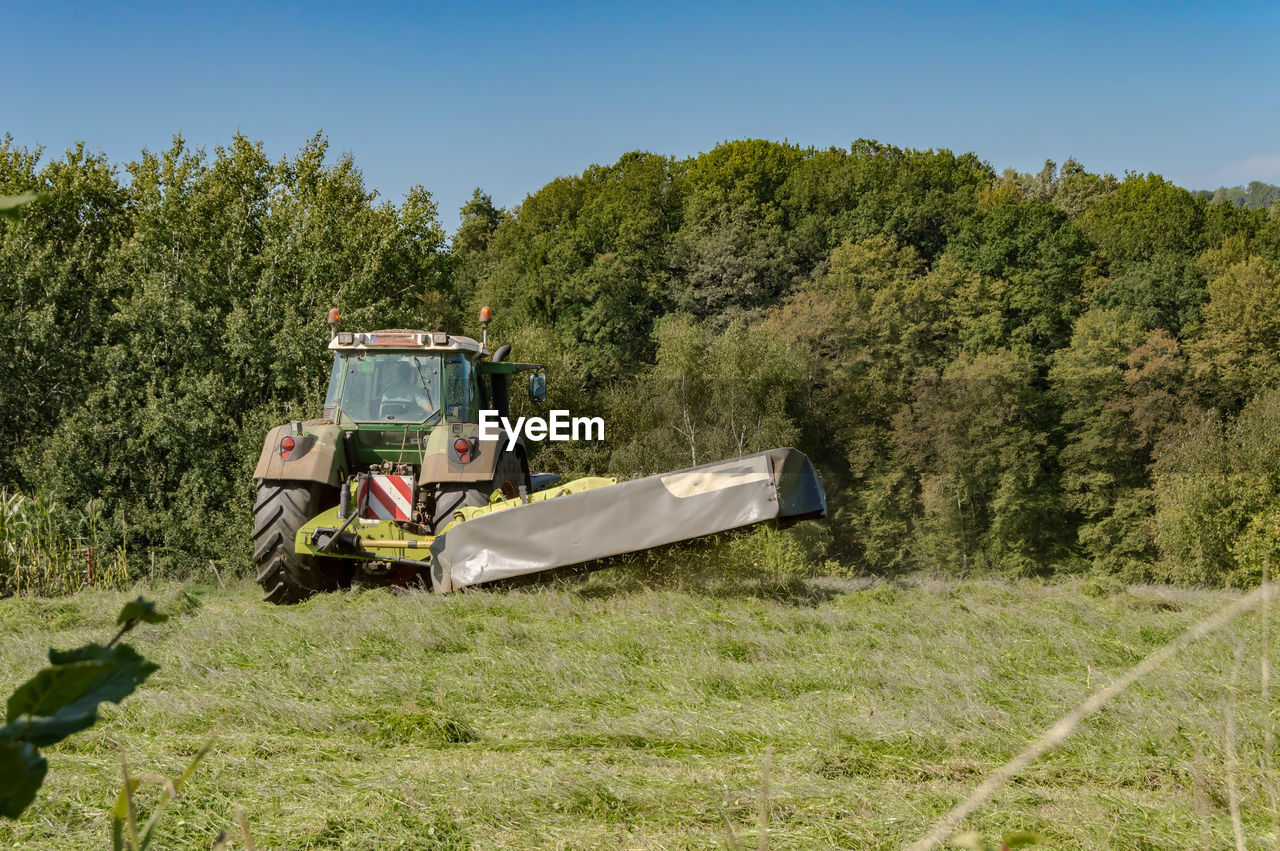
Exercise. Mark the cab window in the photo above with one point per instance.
(459, 389)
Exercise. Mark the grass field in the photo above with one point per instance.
(617, 713)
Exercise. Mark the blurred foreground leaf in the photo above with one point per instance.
(63, 698)
(11, 205)
(141, 610)
(22, 770)
(1018, 839)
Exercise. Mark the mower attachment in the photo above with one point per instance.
(578, 527)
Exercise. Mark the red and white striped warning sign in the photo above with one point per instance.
(387, 498)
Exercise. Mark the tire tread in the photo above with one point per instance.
(279, 511)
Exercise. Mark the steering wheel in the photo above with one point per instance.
(392, 408)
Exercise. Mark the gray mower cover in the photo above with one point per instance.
(780, 484)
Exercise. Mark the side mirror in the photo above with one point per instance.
(538, 387)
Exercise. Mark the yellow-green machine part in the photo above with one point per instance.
(375, 536)
(386, 538)
(584, 520)
(575, 486)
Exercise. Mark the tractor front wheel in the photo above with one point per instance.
(279, 512)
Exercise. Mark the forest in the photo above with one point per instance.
(996, 372)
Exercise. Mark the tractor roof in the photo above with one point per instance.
(401, 338)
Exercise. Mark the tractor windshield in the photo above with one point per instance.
(388, 387)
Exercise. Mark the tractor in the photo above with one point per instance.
(397, 483)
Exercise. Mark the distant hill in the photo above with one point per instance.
(1257, 195)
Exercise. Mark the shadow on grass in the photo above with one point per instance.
(627, 575)
(767, 562)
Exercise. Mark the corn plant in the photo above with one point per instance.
(47, 549)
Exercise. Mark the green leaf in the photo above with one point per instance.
(63, 699)
(11, 205)
(22, 770)
(53, 688)
(141, 610)
(120, 812)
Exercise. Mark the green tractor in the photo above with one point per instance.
(398, 483)
(400, 436)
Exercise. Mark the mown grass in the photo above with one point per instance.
(613, 713)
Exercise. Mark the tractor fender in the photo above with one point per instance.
(318, 454)
(441, 464)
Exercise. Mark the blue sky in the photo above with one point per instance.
(509, 96)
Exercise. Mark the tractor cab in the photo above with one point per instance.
(395, 379)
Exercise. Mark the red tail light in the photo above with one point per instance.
(463, 447)
(287, 444)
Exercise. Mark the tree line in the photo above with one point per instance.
(1254, 196)
(1024, 373)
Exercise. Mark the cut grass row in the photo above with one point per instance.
(619, 714)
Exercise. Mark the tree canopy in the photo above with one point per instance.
(1013, 372)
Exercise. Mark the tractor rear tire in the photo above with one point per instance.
(279, 512)
(511, 474)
